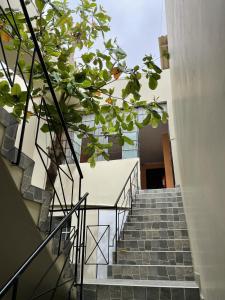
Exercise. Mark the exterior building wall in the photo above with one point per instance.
(106, 180)
(197, 46)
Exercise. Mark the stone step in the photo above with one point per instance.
(154, 234)
(139, 204)
(153, 257)
(155, 218)
(146, 272)
(157, 211)
(110, 289)
(144, 200)
(160, 192)
(164, 190)
(158, 195)
(155, 225)
(155, 245)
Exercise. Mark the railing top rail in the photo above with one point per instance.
(37, 48)
(120, 194)
(24, 266)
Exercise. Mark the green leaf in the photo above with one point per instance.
(2, 74)
(45, 128)
(86, 83)
(128, 140)
(141, 103)
(40, 5)
(105, 109)
(87, 57)
(92, 161)
(106, 75)
(147, 120)
(164, 117)
(80, 77)
(152, 83)
(157, 69)
(126, 106)
(16, 90)
(130, 126)
(154, 122)
(102, 119)
(4, 87)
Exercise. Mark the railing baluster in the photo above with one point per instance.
(15, 289)
(83, 252)
(116, 237)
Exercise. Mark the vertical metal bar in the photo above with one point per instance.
(83, 240)
(60, 239)
(45, 71)
(77, 245)
(131, 196)
(79, 192)
(108, 241)
(97, 257)
(25, 113)
(137, 177)
(116, 237)
(80, 233)
(15, 288)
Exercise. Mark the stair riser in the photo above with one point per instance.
(155, 225)
(145, 200)
(159, 195)
(154, 258)
(164, 190)
(155, 245)
(107, 292)
(157, 211)
(181, 273)
(155, 218)
(155, 234)
(158, 205)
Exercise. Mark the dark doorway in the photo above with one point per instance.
(155, 178)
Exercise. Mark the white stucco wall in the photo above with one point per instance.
(197, 46)
(162, 92)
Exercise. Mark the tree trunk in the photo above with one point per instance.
(56, 158)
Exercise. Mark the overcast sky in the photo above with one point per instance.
(137, 24)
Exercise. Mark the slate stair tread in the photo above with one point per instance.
(146, 283)
(154, 259)
(151, 272)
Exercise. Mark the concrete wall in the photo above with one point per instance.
(197, 46)
(163, 91)
(106, 180)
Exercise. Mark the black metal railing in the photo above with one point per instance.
(69, 253)
(102, 237)
(54, 152)
(65, 253)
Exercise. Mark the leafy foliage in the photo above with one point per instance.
(84, 85)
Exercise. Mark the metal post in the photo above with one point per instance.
(77, 245)
(83, 252)
(131, 196)
(116, 237)
(15, 288)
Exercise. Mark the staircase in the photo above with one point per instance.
(154, 258)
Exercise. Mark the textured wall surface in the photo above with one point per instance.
(197, 47)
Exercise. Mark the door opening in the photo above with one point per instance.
(155, 178)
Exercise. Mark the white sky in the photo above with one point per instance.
(137, 24)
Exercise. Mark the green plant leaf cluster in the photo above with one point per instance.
(81, 76)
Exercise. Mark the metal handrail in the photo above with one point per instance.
(119, 209)
(14, 278)
(124, 186)
(37, 48)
